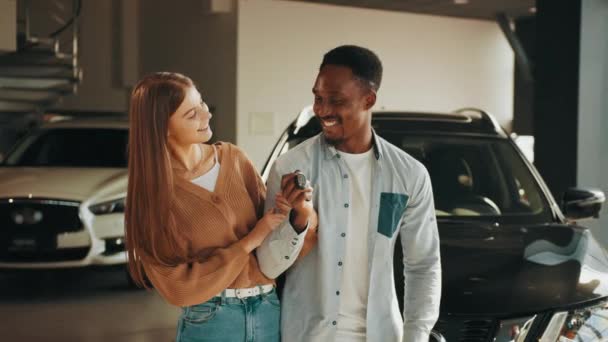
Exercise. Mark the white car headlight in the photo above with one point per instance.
(585, 324)
(109, 207)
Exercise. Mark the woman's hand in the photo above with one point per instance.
(281, 205)
(269, 222)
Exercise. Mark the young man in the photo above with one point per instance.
(340, 284)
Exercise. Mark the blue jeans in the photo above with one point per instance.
(251, 319)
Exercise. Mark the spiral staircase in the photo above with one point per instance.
(44, 68)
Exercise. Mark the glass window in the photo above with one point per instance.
(72, 147)
(472, 176)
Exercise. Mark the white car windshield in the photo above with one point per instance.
(72, 147)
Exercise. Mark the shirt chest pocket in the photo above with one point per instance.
(392, 206)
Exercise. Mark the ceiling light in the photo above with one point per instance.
(532, 9)
(461, 2)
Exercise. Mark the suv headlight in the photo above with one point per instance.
(109, 207)
(586, 324)
(515, 329)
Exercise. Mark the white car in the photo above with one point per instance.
(62, 193)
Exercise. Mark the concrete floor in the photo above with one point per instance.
(81, 305)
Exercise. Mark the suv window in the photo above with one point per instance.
(473, 176)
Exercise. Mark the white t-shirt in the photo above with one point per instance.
(355, 280)
(208, 180)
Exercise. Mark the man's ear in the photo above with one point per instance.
(370, 99)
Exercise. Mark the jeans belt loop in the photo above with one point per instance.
(223, 298)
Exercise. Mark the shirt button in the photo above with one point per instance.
(215, 199)
(345, 176)
(287, 257)
(334, 322)
(343, 234)
(337, 293)
(345, 205)
(339, 263)
(338, 156)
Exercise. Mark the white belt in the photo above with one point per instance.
(244, 293)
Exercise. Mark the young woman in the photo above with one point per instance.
(194, 215)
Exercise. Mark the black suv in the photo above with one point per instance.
(516, 265)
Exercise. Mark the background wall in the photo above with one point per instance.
(123, 40)
(255, 62)
(199, 40)
(430, 63)
(8, 25)
(99, 51)
(593, 107)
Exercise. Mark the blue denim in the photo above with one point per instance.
(251, 319)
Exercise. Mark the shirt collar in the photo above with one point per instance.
(331, 152)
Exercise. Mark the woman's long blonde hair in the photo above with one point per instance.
(150, 234)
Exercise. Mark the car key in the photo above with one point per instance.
(300, 181)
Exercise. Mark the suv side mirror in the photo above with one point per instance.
(582, 203)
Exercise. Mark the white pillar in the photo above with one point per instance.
(592, 161)
(8, 25)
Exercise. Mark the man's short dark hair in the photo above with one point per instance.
(364, 63)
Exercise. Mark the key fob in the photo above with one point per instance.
(300, 180)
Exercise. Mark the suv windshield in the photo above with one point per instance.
(472, 175)
(72, 147)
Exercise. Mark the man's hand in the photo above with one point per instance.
(300, 200)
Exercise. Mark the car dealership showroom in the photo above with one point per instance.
(304, 170)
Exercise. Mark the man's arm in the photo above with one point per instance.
(420, 241)
(282, 246)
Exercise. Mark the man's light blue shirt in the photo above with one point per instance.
(402, 202)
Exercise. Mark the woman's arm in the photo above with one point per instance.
(213, 271)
